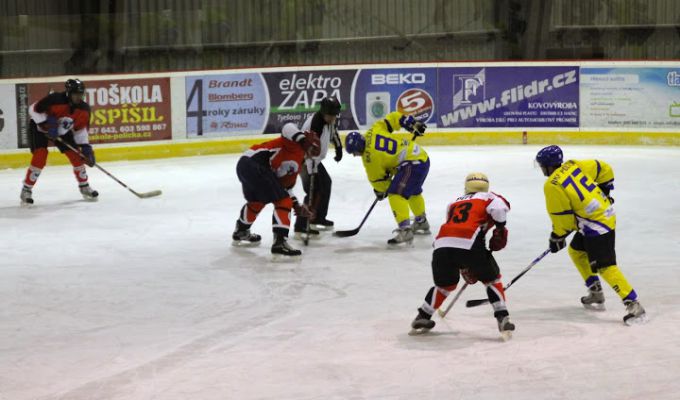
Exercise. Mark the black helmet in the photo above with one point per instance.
(74, 86)
(330, 106)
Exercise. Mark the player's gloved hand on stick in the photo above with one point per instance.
(303, 210)
(606, 188)
(88, 152)
(407, 122)
(468, 276)
(51, 127)
(556, 242)
(338, 153)
(419, 129)
(380, 195)
(499, 238)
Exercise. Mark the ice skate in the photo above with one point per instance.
(421, 227)
(505, 327)
(635, 313)
(281, 250)
(243, 238)
(88, 193)
(322, 225)
(421, 324)
(594, 300)
(301, 234)
(26, 196)
(403, 235)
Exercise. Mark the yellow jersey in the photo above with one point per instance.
(384, 152)
(575, 201)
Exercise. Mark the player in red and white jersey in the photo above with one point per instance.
(268, 172)
(460, 249)
(62, 115)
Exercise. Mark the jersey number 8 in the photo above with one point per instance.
(385, 144)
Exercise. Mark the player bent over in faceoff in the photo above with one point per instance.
(460, 249)
(267, 172)
(396, 168)
(60, 115)
(577, 199)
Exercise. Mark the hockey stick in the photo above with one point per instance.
(478, 302)
(441, 313)
(305, 240)
(143, 195)
(354, 231)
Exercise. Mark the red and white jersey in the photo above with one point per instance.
(469, 216)
(282, 155)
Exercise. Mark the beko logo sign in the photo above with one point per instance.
(397, 79)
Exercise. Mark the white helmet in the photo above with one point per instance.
(476, 182)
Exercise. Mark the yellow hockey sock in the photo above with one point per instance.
(614, 277)
(582, 264)
(417, 204)
(399, 208)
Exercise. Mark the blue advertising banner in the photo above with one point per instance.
(377, 92)
(493, 97)
(630, 98)
(226, 105)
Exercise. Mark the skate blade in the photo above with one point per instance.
(245, 243)
(418, 331)
(595, 307)
(427, 232)
(283, 259)
(401, 245)
(506, 335)
(23, 204)
(90, 199)
(641, 320)
(302, 236)
(322, 228)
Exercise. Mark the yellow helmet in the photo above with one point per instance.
(476, 182)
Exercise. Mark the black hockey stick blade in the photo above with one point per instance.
(348, 233)
(475, 303)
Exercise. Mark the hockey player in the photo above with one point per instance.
(267, 172)
(396, 168)
(65, 115)
(460, 249)
(577, 195)
(322, 123)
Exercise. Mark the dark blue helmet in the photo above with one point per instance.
(74, 86)
(550, 156)
(355, 143)
(330, 106)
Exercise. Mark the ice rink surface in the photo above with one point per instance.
(146, 299)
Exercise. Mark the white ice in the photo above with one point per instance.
(146, 299)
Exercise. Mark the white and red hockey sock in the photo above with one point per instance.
(435, 297)
(249, 212)
(38, 162)
(496, 295)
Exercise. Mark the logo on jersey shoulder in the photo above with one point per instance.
(287, 168)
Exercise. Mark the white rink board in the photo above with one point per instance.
(146, 299)
(8, 117)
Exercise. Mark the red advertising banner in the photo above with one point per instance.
(123, 110)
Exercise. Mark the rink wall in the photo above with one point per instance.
(177, 114)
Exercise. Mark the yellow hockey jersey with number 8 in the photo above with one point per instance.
(384, 152)
(575, 201)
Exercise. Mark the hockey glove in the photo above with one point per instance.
(380, 195)
(51, 127)
(303, 210)
(606, 189)
(87, 151)
(468, 276)
(407, 122)
(499, 238)
(556, 242)
(338, 153)
(419, 129)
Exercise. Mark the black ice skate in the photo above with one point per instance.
(243, 238)
(505, 327)
(421, 324)
(26, 196)
(635, 314)
(88, 193)
(403, 235)
(594, 300)
(322, 225)
(281, 249)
